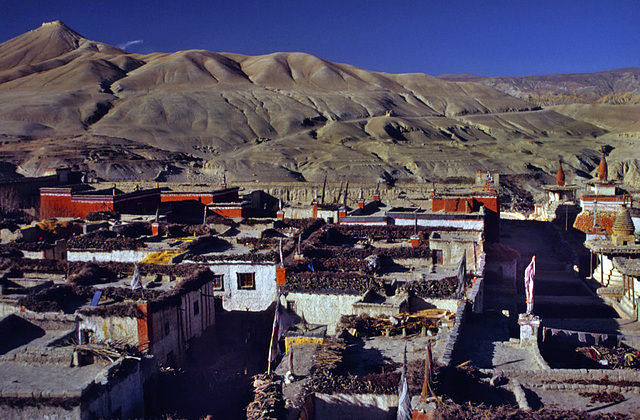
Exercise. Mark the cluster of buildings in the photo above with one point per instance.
(111, 286)
(210, 261)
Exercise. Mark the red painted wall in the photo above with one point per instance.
(464, 204)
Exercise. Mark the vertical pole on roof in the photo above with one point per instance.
(346, 192)
(324, 187)
(602, 268)
(339, 193)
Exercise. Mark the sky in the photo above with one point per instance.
(489, 38)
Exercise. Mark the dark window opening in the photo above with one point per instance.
(247, 281)
(167, 327)
(218, 282)
(196, 307)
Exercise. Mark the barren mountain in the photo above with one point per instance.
(283, 116)
(619, 86)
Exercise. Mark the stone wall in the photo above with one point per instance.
(122, 396)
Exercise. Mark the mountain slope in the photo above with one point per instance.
(285, 116)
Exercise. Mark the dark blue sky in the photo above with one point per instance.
(492, 38)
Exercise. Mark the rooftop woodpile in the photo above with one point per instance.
(104, 240)
(268, 401)
(444, 288)
(332, 282)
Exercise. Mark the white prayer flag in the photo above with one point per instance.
(529, 275)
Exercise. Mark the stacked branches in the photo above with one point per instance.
(268, 401)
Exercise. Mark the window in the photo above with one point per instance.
(247, 281)
(167, 328)
(196, 307)
(291, 306)
(218, 282)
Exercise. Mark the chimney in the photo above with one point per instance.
(415, 241)
(281, 275)
(224, 181)
(560, 175)
(280, 213)
(342, 213)
(602, 169)
(315, 210)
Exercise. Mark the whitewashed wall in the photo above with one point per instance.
(234, 299)
(108, 256)
(466, 224)
(325, 309)
(121, 329)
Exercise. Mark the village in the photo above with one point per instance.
(192, 300)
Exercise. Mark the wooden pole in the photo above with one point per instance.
(427, 391)
(273, 333)
(324, 187)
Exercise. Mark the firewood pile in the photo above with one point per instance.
(96, 216)
(10, 250)
(104, 240)
(329, 356)
(369, 326)
(330, 375)
(91, 273)
(219, 220)
(268, 401)
(389, 233)
(120, 309)
(361, 253)
(445, 288)
(33, 246)
(336, 282)
(620, 357)
(449, 410)
(109, 352)
(119, 269)
(179, 230)
(330, 264)
(205, 243)
(50, 299)
(136, 229)
(255, 257)
(260, 243)
(54, 298)
(603, 397)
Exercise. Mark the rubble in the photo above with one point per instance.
(370, 326)
(621, 357)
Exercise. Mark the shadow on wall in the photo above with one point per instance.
(16, 332)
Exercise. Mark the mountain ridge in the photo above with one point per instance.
(280, 116)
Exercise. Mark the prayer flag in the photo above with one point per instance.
(529, 275)
(404, 400)
(462, 274)
(136, 281)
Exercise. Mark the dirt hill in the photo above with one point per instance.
(192, 114)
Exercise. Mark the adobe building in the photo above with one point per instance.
(225, 202)
(615, 259)
(560, 199)
(80, 200)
